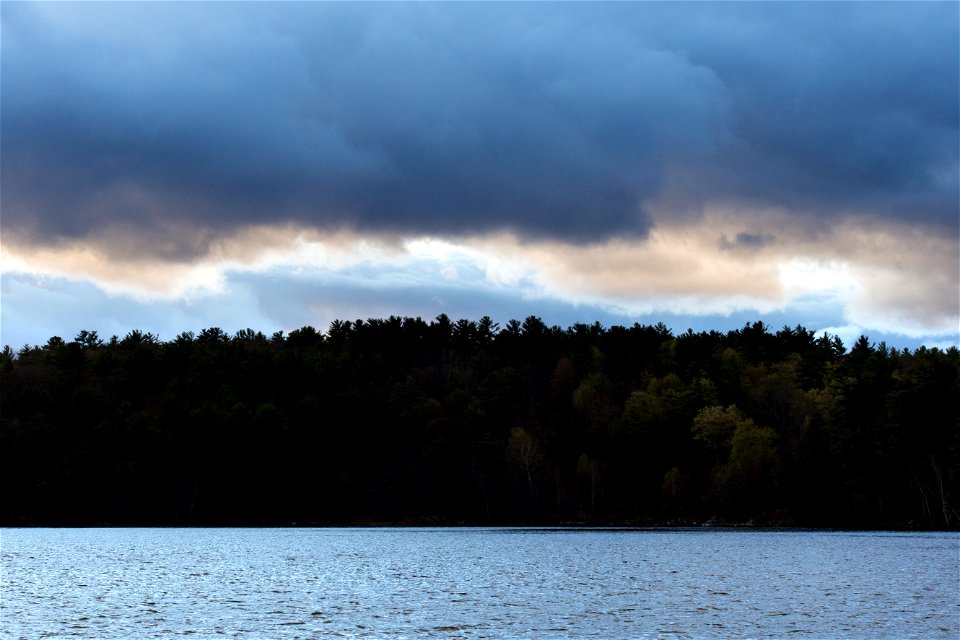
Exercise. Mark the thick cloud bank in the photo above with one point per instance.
(559, 121)
(620, 159)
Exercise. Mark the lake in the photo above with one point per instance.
(477, 583)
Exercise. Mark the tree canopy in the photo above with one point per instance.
(401, 420)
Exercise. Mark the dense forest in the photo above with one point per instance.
(401, 420)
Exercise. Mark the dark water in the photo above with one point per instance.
(476, 583)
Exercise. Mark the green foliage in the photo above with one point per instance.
(449, 421)
(715, 426)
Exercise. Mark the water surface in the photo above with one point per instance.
(476, 583)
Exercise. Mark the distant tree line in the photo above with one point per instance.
(401, 420)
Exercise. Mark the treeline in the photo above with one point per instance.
(400, 420)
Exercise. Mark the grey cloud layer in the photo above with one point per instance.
(548, 120)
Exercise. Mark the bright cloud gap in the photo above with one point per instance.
(680, 271)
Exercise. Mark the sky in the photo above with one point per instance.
(169, 167)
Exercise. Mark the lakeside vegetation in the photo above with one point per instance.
(402, 420)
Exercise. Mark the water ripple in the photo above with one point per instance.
(475, 583)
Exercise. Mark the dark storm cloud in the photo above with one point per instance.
(850, 106)
(548, 120)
